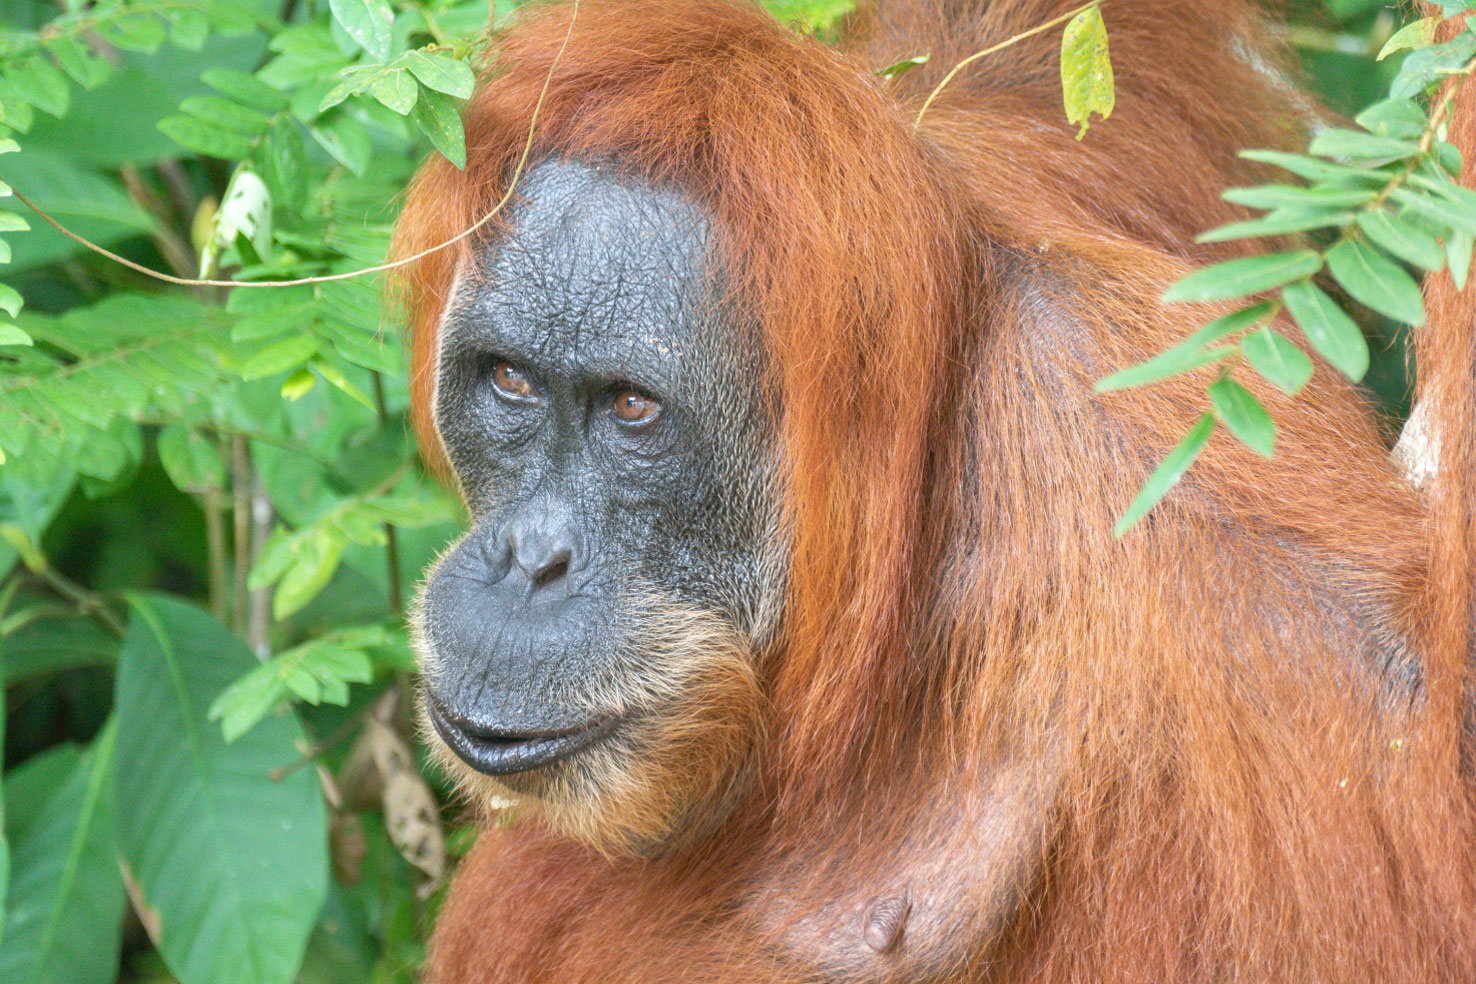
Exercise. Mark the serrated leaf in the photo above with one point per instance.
(1376, 281)
(245, 88)
(1332, 333)
(1279, 222)
(439, 119)
(65, 902)
(1243, 415)
(1278, 361)
(1273, 196)
(254, 846)
(191, 461)
(313, 565)
(1190, 354)
(205, 138)
(1416, 34)
(397, 90)
(1402, 239)
(368, 22)
(901, 67)
(1086, 69)
(441, 73)
(1243, 276)
(1167, 475)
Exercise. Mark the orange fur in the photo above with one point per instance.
(1226, 748)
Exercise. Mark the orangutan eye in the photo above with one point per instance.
(512, 382)
(634, 407)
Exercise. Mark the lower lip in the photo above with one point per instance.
(502, 757)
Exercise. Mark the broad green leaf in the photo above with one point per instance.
(1086, 69)
(233, 861)
(51, 645)
(1332, 333)
(397, 90)
(1295, 196)
(1402, 238)
(227, 114)
(1245, 275)
(346, 139)
(245, 88)
(10, 300)
(1427, 66)
(38, 82)
(13, 335)
(439, 119)
(1278, 361)
(1458, 249)
(441, 73)
(368, 22)
(191, 461)
(1339, 142)
(1400, 118)
(1190, 354)
(1168, 474)
(1377, 282)
(314, 562)
(317, 671)
(64, 906)
(900, 67)
(289, 352)
(205, 138)
(1243, 415)
(1280, 222)
(1416, 34)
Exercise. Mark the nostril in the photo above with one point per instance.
(551, 572)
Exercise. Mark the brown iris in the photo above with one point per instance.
(512, 381)
(634, 407)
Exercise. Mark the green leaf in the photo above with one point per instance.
(317, 671)
(439, 119)
(1086, 69)
(1245, 275)
(1437, 209)
(1415, 34)
(1311, 168)
(346, 139)
(1400, 118)
(1338, 142)
(226, 114)
(1458, 249)
(1190, 354)
(297, 384)
(288, 352)
(316, 559)
(1428, 66)
(191, 461)
(1243, 415)
(245, 88)
(1403, 239)
(10, 222)
(205, 138)
(13, 335)
(1167, 475)
(1294, 196)
(1376, 281)
(232, 860)
(1332, 333)
(396, 90)
(441, 73)
(38, 82)
(1280, 222)
(900, 67)
(10, 300)
(134, 32)
(286, 164)
(64, 907)
(1278, 361)
(368, 22)
(85, 68)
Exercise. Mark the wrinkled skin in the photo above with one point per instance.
(585, 526)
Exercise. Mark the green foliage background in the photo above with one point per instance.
(211, 511)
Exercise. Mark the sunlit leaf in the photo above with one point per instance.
(1190, 354)
(1278, 361)
(1243, 415)
(1244, 275)
(1376, 281)
(1086, 69)
(1332, 333)
(1168, 474)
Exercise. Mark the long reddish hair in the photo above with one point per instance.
(1242, 794)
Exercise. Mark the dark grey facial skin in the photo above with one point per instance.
(579, 518)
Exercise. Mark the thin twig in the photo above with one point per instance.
(998, 47)
(331, 277)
